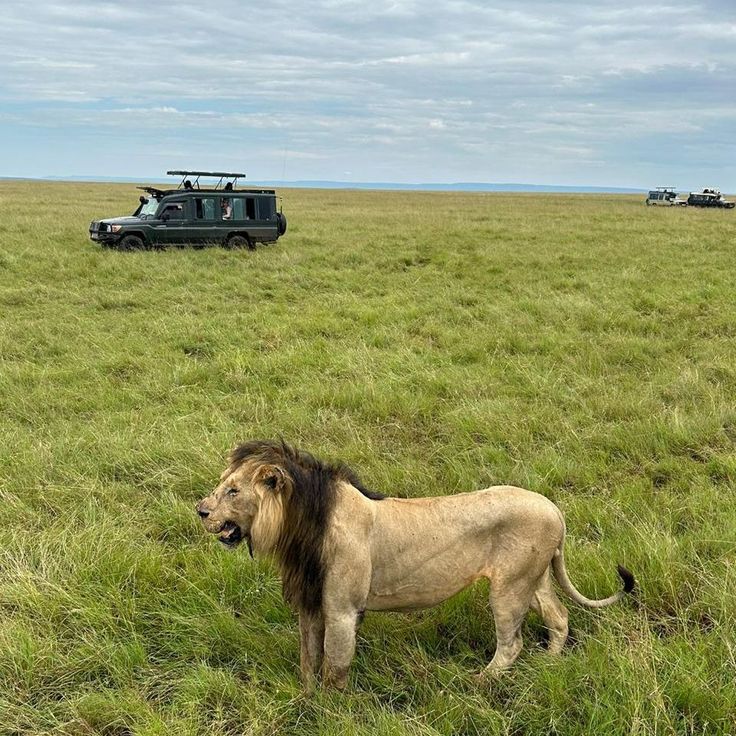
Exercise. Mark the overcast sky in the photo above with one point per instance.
(623, 93)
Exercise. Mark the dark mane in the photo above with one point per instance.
(307, 512)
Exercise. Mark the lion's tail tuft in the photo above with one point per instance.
(628, 578)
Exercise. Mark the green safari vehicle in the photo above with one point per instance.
(221, 214)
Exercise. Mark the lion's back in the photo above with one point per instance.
(520, 506)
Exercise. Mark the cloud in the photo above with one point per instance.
(568, 92)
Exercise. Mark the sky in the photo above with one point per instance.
(626, 94)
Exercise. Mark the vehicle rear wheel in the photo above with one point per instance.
(130, 242)
(281, 218)
(240, 241)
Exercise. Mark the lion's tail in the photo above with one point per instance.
(558, 566)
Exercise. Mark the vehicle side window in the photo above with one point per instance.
(266, 208)
(244, 208)
(204, 208)
(173, 211)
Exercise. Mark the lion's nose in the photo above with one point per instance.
(202, 513)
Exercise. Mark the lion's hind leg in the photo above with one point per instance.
(546, 603)
(510, 602)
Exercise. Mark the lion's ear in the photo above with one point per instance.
(273, 477)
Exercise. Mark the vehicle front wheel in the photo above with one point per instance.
(130, 242)
(240, 241)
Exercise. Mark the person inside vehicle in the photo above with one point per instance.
(227, 209)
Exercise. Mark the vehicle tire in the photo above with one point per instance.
(281, 217)
(240, 241)
(130, 242)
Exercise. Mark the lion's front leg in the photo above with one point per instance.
(339, 648)
(312, 632)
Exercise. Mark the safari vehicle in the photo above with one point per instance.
(665, 196)
(709, 198)
(194, 214)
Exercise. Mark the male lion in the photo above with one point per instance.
(343, 550)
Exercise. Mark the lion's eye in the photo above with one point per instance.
(232, 491)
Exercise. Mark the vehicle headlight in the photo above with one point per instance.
(115, 228)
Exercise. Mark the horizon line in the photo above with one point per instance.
(339, 184)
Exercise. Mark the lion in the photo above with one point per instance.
(343, 550)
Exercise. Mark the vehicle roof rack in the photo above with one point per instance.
(665, 189)
(224, 178)
(153, 191)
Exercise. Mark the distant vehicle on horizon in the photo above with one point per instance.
(709, 198)
(665, 196)
(192, 214)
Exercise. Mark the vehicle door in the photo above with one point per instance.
(204, 227)
(267, 217)
(171, 225)
(226, 215)
(258, 215)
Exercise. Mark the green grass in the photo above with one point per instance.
(581, 346)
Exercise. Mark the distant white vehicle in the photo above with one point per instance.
(665, 196)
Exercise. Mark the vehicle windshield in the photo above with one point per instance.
(147, 208)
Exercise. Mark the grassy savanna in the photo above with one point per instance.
(580, 346)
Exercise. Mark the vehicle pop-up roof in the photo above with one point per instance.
(224, 178)
(226, 181)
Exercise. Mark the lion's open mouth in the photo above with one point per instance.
(230, 534)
